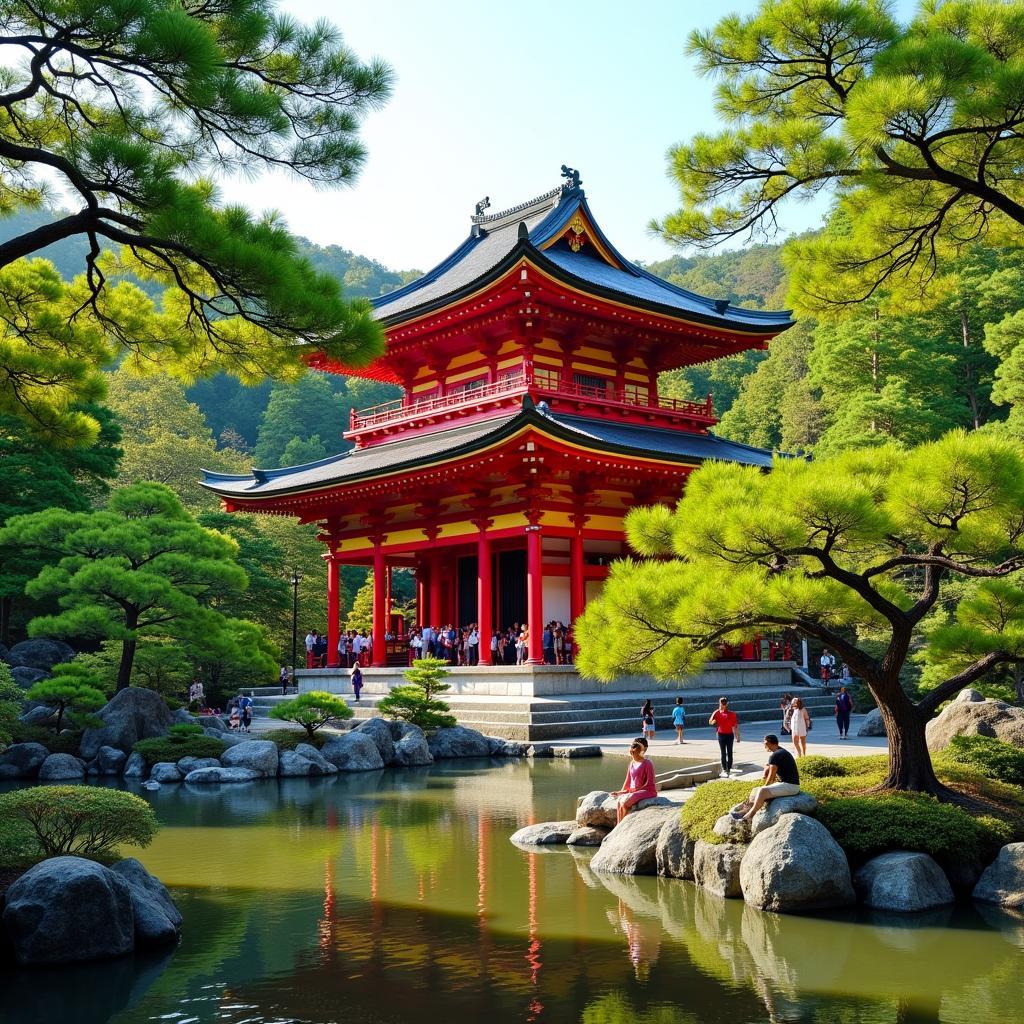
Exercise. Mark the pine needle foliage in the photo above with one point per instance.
(417, 702)
(312, 710)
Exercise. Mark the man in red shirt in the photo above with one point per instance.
(728, 725)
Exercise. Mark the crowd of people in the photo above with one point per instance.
(509, 646)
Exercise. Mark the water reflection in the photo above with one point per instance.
(397, 896)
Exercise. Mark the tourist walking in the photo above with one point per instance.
(801, 726)
(245, 704)
(844, 707)
(356, 678)
(727, 725)
(679, 719)
(310, 645)
(786, 707)
(781, 777)
(639, 783)
(647, 720)
(283, 679)
(522, 645)
(827, 664)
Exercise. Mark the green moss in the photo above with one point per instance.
(174, 748)
(708, 804)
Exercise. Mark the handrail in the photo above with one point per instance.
(518, 383)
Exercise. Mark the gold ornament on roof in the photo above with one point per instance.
(576, 233)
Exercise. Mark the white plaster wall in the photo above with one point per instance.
(556, 599)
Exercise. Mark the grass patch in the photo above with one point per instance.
(818, 767)
(708, 804)
(993, 758)
(174, 748)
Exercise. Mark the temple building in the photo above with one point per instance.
(530, 423)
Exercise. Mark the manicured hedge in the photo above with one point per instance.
(996, 759)
(708, 804)
(174, 748)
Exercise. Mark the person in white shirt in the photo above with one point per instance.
(310, 644)
(827, 663)
(473, 646)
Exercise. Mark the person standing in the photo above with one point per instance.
(801, 726)
(679, 719)
(245, 711)
(283, 679)
(356, 677)
(547, 643)
(827, 663)
(844, 707)
(786, 707)
(647, 720)
(473, 646)
(310, 644)
(727, 725)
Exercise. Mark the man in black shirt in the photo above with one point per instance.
(781, 778)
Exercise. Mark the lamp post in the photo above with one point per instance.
(295, 581)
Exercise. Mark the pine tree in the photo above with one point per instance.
(417, 702)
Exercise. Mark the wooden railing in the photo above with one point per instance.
(517, 384)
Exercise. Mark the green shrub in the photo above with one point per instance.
(67, 741)
(817, 767)
(73, 690)
(416, 701)
(174, 748)
(869, 825)
(993, 758)
(186, 729)
(312, 710)
(709, 803)
(81, 821)
(289, 739)
(11, 697)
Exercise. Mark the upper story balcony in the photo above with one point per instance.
(633, 403)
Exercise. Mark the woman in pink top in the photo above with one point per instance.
(639, 784)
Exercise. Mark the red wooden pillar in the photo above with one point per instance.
(422, 616)
(577, 584)
(379, 604)
(387, 597)
(534, 594)
(333, 608)
(484, 593)
(436, 613)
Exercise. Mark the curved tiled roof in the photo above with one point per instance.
(497, 240)
(423, 449)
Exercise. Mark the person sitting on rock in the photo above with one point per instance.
(639, 784)
(781, 778)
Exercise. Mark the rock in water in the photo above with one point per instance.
(190, 764)
(157, 920)
(970, 717)
(61, 768)
(630, 847)
(546, 833)
(132, 714)
(206, 776)
(716, 867)
(377, 729)
(310, 753)
(872, 724)
(458, 741)
(902, 881)
(298, 763)
(40, 653)
(109, 761)
(596, 809)
(135, 767)
(1002, 881)
(673, 853)
(165, 771)
(412, 751)
(353, 752)
(257, 755)
(796, 865)
(67, 909)
(22, 760)
(584, 835)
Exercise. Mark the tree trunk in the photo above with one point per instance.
(972, 394)
(910, 763)
(6, 604)
(124, 670)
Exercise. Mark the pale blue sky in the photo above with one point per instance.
(491, 99)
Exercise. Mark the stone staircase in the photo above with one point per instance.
(549, 719)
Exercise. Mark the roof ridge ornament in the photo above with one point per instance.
(490, 218)
(572, 180)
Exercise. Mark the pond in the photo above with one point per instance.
(395, 896)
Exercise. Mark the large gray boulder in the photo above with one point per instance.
(135, 767)
(497, 746)
(716, 867)
(67, 909)
(630, 848)
(353, 752)
(22, 760)
(966, 716)
(673, 852)
(377, 729)
(732, 830)
(769, 815)
(40, 653)
(109, 761)
(458, 741)
(165, 771)
(310, 753)
(61, 768)
(304, 760)
(208, 776)
(1002, 881)
(157, 920)
(412, 750)
(212, 722)
(257, 755)
(229, 739)
(796, 865)
(596, 809)
(545, 833)
(190, 764)
(585, 835)
(131, 715)
(27, 677)
(903, 882)
(872, 724)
